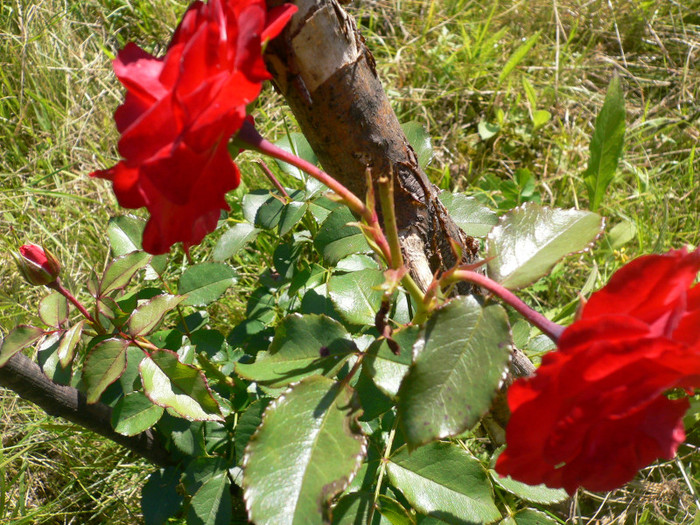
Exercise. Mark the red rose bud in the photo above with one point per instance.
(37, 265)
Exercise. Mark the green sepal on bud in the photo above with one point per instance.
(37, 265)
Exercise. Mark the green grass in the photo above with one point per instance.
(442, 63)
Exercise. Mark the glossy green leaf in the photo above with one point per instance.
(532, 493)
(148, 316)
(459, 362)
(182, 388)
(19, 338)
(47, 359)
(204, 283)
(606, 144)
(393, 511)
(531, 517)
(303, 345)
(271, 212)
(248, 423)
(354, 509)
(356, 263)
(306, 451)
(69, 341)
(135, 413)
(336, 239)
(251, 203)
(53, 309)
(234, 240)
(160, 499)
(292, 213)
(296, 144)
(356, 295)
(104, 364)
(517, 57)
(211, 503)
(125, 234)
(530, 239)
(387, 369)
(322, 207)
(122, 269)
(285, 258)
(419, 139)
(469, 214)
(445, 481)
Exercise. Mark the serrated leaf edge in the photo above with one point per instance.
(206, 385)
(523, 206)
(359, 458)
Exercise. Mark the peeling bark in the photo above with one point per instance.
(324, 70)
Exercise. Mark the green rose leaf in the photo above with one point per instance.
(387, 369)
(303, 345)
(204, 283)
(53, 309)
(532, 493)
(296, 144)
(419, 139)
(292, 213)
(459, 362)
(445, 481)
(322, 207)
(393, 511)
(529, 517)
(148, 316)
(122, 269)
(125, 234)
(247, 424)
(135, 413)
(271, 212)
(211, 503)
(20, 337)
(182, 388)
(469, 214)
(355, 508)
(234, 240)
(356, 295)
(530, 239)
(251, 203)
(159, 497)
(306, 451)
(104, 364)
(69, 341)
(336, 239)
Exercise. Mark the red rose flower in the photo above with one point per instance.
(596, 411)
(179, 113)
(37, 265)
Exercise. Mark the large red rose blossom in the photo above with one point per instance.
(596, 410)
(181, 110)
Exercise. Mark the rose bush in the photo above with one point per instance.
(180, 111)
(596, 410)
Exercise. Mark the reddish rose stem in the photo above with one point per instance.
(56, 285)
(273, 179)
(250, 136)
(549, 328)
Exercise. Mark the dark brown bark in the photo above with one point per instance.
(327, 75)
(23, 376)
